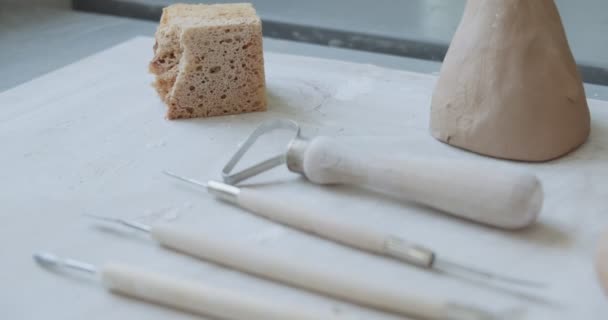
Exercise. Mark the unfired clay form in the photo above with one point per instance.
(509, 86)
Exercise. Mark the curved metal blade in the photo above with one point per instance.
(277, 160)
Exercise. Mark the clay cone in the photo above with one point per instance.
(509, 86)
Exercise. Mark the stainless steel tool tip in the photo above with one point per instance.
(46, 259)
(454, 268)
(184, 179)
(127, 223)
(49, 260)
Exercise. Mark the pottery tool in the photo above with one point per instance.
(190, 296)
(287, 270)
(502, 198)
(300, 217)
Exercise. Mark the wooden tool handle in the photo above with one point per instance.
(302, 217)
(198, 298)
(502, 198)
(298, 273)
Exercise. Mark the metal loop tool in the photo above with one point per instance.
(501, 197)
(272, 162)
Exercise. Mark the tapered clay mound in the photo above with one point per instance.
(509, 86)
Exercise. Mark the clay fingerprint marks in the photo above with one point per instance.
(314, 95)
(303, 95)
(509, 87)
(602, 261)
(352, 88)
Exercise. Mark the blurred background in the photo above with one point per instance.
(37, 36)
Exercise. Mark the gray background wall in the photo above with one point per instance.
(49, 3)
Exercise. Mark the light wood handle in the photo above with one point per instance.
(298, 273)
(304, 218)
(504, 198)
(197, 297)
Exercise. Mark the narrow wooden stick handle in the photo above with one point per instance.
(302, 217)
(298, 273)
(197, 297)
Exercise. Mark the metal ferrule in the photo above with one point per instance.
(295, 154)
(224, 191)
(402, 250)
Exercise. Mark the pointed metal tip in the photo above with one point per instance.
(128, 223)
(99, 217)
(49, 260)
(46, 259)
(522, 282)
(171, 174)
(450, 266)
(184, 179)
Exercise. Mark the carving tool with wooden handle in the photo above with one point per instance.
(309, 276)
(502, 198)
(300, 216)
(190, 296)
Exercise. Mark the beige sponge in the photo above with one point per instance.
(208, 60)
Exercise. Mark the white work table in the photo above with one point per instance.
(91, 138)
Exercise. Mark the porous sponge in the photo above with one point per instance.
(208, 60)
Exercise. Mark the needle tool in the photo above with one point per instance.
(313, 277)
(186, 295)
(300, 216)
(506, 198)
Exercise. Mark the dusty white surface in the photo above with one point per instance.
(91, 138)
(602, 261)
